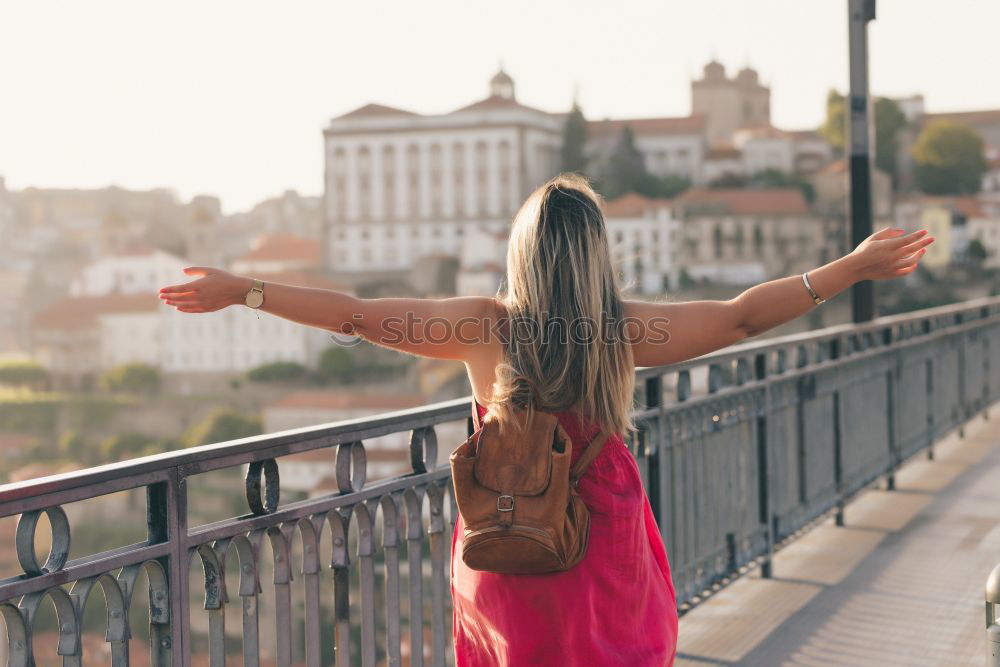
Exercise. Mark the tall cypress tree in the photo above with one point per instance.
(625, 170)
(574, 139)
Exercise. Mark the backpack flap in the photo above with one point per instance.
(519, 462)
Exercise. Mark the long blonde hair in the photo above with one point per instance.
(559, 270)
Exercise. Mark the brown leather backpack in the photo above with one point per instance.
(518, 499)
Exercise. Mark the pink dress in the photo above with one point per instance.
(615, 607)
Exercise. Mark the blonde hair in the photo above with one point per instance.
(564, 304)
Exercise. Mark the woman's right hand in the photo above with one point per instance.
(215, 290)
(889, 253)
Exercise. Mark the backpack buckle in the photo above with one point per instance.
(505, 506)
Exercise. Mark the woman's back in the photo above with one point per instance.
(615, 607)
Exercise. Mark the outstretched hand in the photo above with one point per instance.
(215, 290)
(890, 253)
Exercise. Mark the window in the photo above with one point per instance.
(504, 158)
(717, 234)
(339, 171)
(458, 167)
(364, 182)
(413, 179)
(435, 174)
(389, 181)
(482, 171)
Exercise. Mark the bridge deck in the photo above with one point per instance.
(900, 584)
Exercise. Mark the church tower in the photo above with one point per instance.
(200, 224)
(730, 104)
(501, 85)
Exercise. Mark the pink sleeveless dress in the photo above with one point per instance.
(615, 607)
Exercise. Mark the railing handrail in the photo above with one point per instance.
(134, 473)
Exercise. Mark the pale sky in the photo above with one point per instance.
(230, 98)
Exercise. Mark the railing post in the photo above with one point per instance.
(838, 449)
(963, 408)
(890, 383)
(177, 572)
(764, 474)
(929, 376)
(157, 532)
(654, 399)
(992, 627)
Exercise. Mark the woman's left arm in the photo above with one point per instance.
(452, 328)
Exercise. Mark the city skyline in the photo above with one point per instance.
(194, 105)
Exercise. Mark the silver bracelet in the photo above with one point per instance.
(815, 297)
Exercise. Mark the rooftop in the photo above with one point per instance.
(739, 201)
(694, 124)
(83, 311)
(632, 205)
(282, 247)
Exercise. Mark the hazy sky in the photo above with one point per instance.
(230, 98)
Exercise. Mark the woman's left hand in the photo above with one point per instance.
(889, 253)
(215, 290)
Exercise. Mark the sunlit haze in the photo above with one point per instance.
(230, 98)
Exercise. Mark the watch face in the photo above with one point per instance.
(255, 298)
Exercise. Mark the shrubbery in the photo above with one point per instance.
(23, 373)
(133, 378)
(276, 371)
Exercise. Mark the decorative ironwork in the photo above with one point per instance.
(738, 451)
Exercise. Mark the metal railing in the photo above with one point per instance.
(784, 431)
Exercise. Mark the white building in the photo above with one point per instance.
(644, 237)
(669, 146)
(276, 253)
(135, 270)
(768, 148)
(80, 337)
(745, 236)
(483, 262)
(401, 186)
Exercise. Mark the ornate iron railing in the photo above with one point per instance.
(784, 431)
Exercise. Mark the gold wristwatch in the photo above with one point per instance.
(255, 297)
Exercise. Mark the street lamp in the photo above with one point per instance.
(860, 12)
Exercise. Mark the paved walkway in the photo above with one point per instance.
(900, 584)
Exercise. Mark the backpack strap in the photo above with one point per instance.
(589, 454)
(476, 423)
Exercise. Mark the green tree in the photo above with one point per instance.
(574, 138)
(672, 185)
(625, 170)
(276, 371)
(337, 364)
(889, 122)
(949, 159)
(834, 127)
(124, 445)
(23, 372)
(221, 425)
(73, 445)
(977, 252)
(775, 178)
(133, 378)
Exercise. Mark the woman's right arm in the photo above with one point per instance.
(452, 328)
(672, 332)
